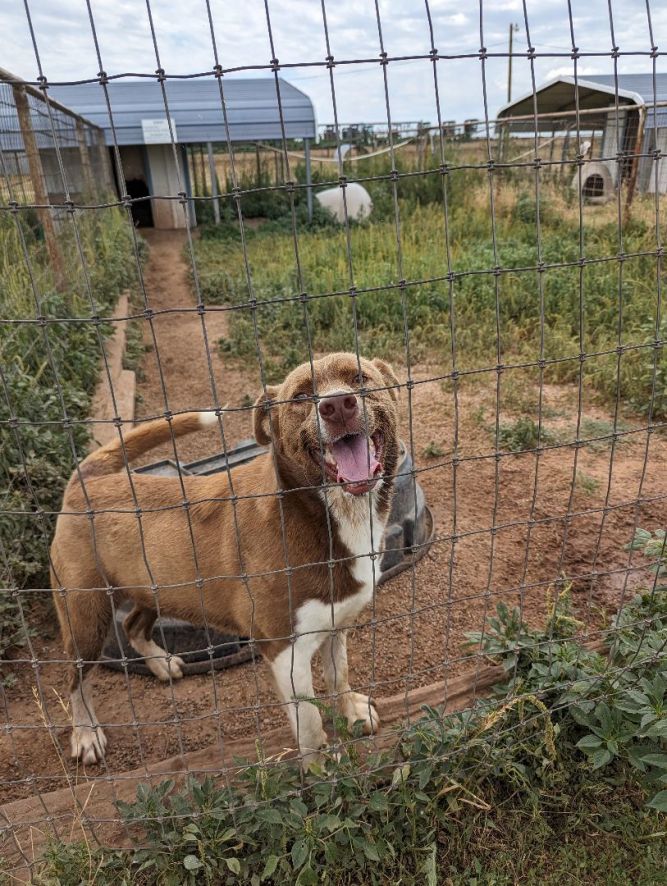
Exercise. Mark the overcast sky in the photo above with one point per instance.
(65, 45)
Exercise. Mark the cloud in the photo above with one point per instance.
(568, 71)
(353, 33)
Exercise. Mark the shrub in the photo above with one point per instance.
(49, 370)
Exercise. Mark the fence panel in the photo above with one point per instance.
(457, 395)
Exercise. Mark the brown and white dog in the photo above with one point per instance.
(283, 554)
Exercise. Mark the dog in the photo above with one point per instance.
(281, 549)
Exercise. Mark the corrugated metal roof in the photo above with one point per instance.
(50, 130)
(639, 83)
(253, 109)
(643, 85)
(563, 94)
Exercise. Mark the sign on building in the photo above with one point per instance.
(156, 132)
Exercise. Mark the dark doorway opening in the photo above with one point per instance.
(593, 186)
(142, 212)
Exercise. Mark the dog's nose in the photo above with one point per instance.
(340, 408)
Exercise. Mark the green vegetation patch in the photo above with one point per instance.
(49, 370)
(503, 292)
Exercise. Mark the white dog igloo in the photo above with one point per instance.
(359, 203)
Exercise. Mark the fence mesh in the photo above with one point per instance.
(510, 272)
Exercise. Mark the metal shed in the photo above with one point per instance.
(143, 126)
(629, 111)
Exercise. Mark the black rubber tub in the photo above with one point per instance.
(408, 536)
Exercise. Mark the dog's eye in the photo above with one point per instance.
(302, 395)
(360, 378)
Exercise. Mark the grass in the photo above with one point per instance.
(317, 296)
(587, 483)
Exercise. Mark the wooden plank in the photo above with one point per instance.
(123, 382)
(38, 180)
(84, 153)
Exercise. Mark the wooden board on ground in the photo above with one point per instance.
(116, 388)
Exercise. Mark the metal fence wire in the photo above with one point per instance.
(538, 452)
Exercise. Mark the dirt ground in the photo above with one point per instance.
(514, 523)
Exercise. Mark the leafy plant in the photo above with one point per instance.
(433, 450)
(523, 434)
(621, 703)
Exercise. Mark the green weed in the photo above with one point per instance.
(321, 294)
(433, 450)
(523, 434)
(599, 433)
(586, 482)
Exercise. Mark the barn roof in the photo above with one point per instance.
(253, 109)
(592, 91)
(642, 84)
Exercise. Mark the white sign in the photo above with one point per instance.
(156, 132)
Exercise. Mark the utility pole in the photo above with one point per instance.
(513, 29)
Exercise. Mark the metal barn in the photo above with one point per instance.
(153, 146)
(623, 120)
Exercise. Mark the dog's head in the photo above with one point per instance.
(333, 422)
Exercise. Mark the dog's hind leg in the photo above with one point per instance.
(139, 629)
(85, 616)
(353, 705)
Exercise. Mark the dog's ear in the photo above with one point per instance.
(388, 375)
(261, 425)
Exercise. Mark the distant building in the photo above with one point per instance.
(625, 119)
(470, 127)
(152, 143)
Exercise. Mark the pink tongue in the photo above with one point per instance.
(355, 461)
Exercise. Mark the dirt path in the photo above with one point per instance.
(416, 634)
(175, 374)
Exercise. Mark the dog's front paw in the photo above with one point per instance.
(88, 744)
(166, 669)
(358, 707)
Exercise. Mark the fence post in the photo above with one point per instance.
(214, 183)
(309, 179)
(258, 166)
(196, 190)
(192, 210)
(635, 161)
(105, 160)
(85, 157)
(38, 180)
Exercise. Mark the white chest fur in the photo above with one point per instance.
(360, 529)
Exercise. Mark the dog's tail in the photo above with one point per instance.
(113, 456)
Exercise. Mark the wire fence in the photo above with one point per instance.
(457, 402)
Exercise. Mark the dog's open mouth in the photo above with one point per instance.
(354, 461)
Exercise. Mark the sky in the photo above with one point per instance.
(249, 33)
